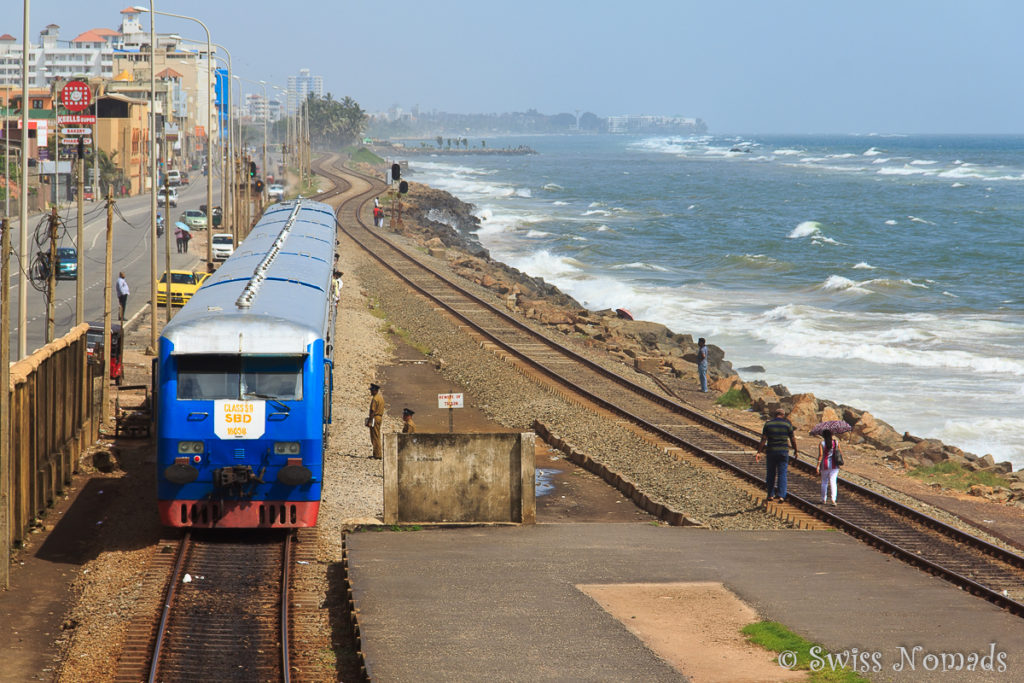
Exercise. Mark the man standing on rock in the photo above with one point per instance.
(778, 434)
(375, 421)
(409, 427)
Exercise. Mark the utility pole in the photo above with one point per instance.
(80, 284)
(108, 276)
(167, 249)
(51, 285)
(5, 407)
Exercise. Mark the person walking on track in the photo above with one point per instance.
(778, 434)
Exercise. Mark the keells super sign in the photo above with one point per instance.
(76, 96)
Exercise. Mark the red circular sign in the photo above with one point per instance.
(76, 96)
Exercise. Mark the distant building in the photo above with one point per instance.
(647, 124)
(299, 87)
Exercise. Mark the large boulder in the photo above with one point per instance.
(760, 395)
(875, 432)
(804, 412)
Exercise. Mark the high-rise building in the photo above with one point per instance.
(299, 87)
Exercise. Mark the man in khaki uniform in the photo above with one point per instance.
(375, 421)
(409, 427)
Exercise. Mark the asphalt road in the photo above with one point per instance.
(131, 254)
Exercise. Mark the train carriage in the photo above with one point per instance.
(244, 381)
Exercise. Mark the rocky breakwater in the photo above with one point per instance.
(446, 227)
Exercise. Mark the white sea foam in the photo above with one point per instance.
(523, 192)
(805, 229)
(903, 170)
(881, 160)
(978, 436)
(821, 239)
(915, 219)
(552, 187)
(537, 233)
(873, 152)
(788, 152)
(892, 221)
(923, 162)
(958, 185)
(559, 203)
(639, 265)
(691, 207)
(596, 212)
(864, 266)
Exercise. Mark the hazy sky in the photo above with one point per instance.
(744, 66)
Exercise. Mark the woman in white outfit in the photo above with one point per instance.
(829, 457)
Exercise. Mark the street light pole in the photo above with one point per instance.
(266, 115)
(209, 124)
(23, 204)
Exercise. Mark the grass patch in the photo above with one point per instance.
(364, 156)
(408, 527)
(955, 476)
(773, 636)
(734, 398)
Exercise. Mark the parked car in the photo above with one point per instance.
(184, 283)
(168, 195)
(276, 191)
(223, 245)
(67, 264)
(194, 219)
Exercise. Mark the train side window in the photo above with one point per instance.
(277, 377)
(207, 377)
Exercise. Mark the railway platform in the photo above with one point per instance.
(506, 603)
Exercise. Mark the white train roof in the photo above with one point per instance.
(272, 296)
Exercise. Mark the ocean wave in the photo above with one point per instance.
(915, 219)
(958, 185)
(881, 160)
(785, 152)
(903, 170)
(553, 187)
(864, 266)
(821, 239)
(559, 203)
(596, 212)
(805, 229)
(639, 265)
(892, 221)
(537, 233)
(923, 162)
(873, 152)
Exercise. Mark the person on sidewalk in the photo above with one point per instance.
(777, 434)
(375, 421)
(702, 364)
(122, 295)
(408, 426)
(830, 458)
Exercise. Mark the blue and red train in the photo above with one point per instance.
(244, 381)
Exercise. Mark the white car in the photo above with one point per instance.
(167, 195)
(222, 246)
(276, 191)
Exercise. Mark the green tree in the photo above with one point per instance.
(335, 124)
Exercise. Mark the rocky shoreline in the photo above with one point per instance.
(446, 227)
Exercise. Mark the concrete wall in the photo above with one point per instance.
(459, 478)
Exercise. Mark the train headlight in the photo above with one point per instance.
(190, 447)
(286, 448)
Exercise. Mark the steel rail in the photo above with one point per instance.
(871, 496)
(165, 613)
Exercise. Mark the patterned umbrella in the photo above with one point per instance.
(835, 426)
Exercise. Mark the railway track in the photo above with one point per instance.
(225, 613)
(972, 563)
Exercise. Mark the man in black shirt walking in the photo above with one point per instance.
(778, 434)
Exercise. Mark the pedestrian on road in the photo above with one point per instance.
(702, 364)
(409, 427)
(179, 239)
(830, 457)
(778, 434)
(186, 237)
(122, 294)
(375, 421)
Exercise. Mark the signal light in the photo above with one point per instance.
(396, 171)
(259, 186)
(252, 169)
(403, 187)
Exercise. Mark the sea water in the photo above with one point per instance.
(884, 272)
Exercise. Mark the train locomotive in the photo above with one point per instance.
(243, 381)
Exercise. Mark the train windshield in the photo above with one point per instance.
(211, 377)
